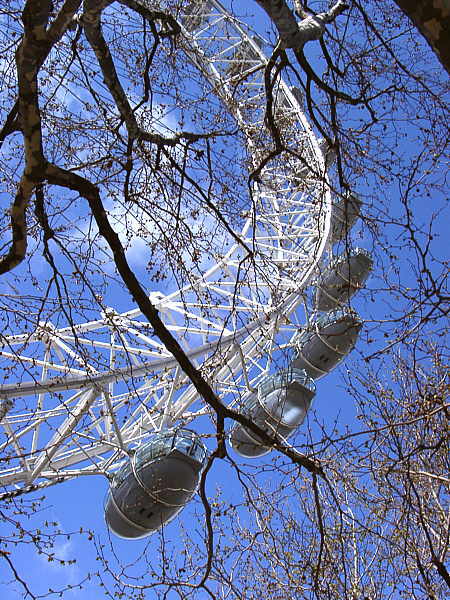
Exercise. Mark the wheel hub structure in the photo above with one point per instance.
(86, 393)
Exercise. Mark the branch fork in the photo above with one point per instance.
(295, 34)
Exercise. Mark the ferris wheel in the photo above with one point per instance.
(91, 395)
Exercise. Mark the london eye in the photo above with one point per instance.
(105, 397)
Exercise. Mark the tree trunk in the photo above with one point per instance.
(432, 19)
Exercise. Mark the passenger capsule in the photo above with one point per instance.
(279, 407)
(344, 276)
(155, 484)
(326, 342)
(344, 213)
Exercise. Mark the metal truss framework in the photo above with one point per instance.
(231, 322)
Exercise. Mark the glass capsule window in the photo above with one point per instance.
(121, 475)
(154, 449)
(343, 258)
(352, 253)
(191, 447)
(335, 316)
(320, 323)
(283, 379)
(162, 443)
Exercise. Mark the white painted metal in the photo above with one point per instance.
(95, 389)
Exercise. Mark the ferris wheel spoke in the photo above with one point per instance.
(35, 362)
(63, 431)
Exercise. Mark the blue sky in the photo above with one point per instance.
(78, 504)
